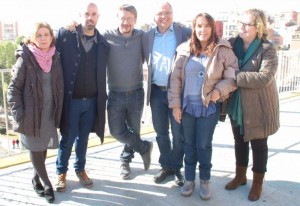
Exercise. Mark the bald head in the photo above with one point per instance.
(163, 16)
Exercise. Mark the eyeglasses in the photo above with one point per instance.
(129, 19)
(245, 24)
(168, 13)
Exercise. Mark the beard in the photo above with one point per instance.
(90, 25)
(125, 29)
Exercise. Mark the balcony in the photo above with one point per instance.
(287, 79)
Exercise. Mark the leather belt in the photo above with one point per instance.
(162, 88)
(128, 92)
(84, 98)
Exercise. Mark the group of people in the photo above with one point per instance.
(15, 142)
(60, 82)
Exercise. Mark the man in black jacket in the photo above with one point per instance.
(83, 54)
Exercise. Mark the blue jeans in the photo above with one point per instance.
(125, 111)
(83, 116)
(198, 135)
(171, 154)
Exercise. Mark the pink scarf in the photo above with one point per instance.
(43, 58)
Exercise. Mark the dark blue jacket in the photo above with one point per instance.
(69, 48)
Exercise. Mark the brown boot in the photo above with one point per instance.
(256, 188)
(239, 179)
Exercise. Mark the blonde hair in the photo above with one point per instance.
(260, 22)
(37, 26)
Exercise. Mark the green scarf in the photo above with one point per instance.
(234, 106)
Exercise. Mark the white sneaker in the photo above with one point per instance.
(205, 189)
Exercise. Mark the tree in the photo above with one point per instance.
(7, 54)
(19, 39)
(7, 60)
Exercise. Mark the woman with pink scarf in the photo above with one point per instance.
(35, 95)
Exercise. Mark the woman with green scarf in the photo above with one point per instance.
(254, 107)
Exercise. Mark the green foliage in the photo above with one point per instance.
(2, 130)
(7, 60)
(7, 54)
(19, 39)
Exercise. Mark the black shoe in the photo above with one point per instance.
(38, 188)
(179, 179)
(49, 195)
(147, 156)
(162, 175)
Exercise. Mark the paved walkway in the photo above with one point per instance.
(281, 185)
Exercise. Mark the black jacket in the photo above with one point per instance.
(69, 48)
(25, 92)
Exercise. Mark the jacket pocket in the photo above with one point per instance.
(29, 119)
(18, 120)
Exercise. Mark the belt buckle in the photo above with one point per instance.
(84, 99)
(132, 92)
(163, 88)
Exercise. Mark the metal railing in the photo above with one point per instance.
(288, 74)
(287, 79)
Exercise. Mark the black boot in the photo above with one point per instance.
(179, 179)
(49, 195)
(163, 174)
(38, 188)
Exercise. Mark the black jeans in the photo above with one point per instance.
(259, 151)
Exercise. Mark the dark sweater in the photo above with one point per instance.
(68, 45)
(86, 78)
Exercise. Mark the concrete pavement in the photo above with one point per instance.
(281, 184)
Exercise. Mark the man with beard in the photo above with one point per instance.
(125, 83)
(84, 55)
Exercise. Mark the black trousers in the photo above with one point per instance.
(259, 151)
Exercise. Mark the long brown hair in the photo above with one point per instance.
(195, 44)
